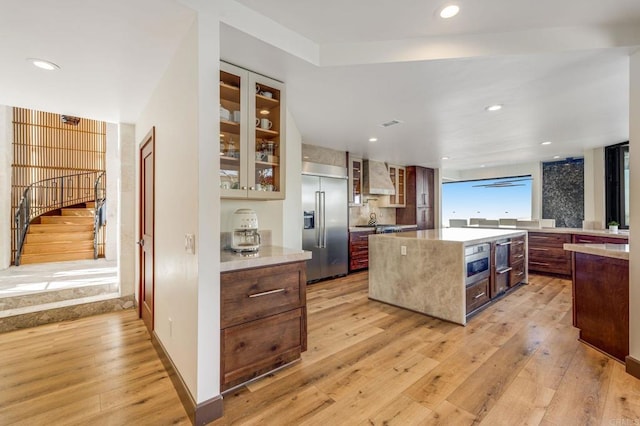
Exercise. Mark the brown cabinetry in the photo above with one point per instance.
(597, 239)
(516, 258)
(263, 320)
(359, 250)
(601, 303)
(547, 254)
(419, 198)
(477, 294)
(508, 265)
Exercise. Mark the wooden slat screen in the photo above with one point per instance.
(44, 147)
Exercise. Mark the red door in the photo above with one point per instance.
(146, 285)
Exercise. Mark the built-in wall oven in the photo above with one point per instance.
(477, 263)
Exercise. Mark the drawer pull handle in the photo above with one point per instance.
(504, 271)
(479, 296)
(539, 263)
(266, 293)
(538, 249)
(520, 274)
(504, 244)
(519, 256)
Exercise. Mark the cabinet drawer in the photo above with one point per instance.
(542, 239)
(501, 282)
(592, 239)
(551, 265)
(360, 237)
(357, 264)
(254, 293)
(516, 253)
(477, 295)
(252, 349)
(517, 273)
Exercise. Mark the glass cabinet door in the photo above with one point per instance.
(233, 123)
(266, 141)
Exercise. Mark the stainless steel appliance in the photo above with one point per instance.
(503, 275)
(245, 236)
(477, 263)
(325, 232)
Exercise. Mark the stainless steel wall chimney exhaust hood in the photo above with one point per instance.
(376, 178)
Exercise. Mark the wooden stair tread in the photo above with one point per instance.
(56, 257)
(78, 212)
(43, 237)
(66, 220)
(60, 227)
(57, 247)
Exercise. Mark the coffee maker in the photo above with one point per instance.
(245, 236)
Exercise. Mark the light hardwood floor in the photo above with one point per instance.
(516, 363)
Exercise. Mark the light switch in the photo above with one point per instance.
(403, 250)
(190, 243)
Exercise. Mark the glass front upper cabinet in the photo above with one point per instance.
(252, 140)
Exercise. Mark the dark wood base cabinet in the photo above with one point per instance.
(359, 250)
(263, 320)
(547, 254)
(601, 303)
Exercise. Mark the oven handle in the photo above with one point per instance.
(504, 244)
(503, 271)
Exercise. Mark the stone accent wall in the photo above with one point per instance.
(563, 192)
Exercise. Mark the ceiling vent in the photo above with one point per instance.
(391, 123)
(69, 119)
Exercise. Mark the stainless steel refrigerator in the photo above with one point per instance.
(326, 217)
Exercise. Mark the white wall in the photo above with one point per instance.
(6, 158)
(113, 179)
(594, 184)
(127, 250)
(187, 285)
(634, 208)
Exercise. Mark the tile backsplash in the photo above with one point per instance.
(360, 215)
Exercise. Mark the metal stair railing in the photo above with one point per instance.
(52, 194)
(100, 211)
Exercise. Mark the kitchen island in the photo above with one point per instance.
(427, 271)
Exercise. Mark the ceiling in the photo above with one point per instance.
(559, 68)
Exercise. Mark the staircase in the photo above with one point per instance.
(63, 237)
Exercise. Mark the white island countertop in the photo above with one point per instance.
(616, 251)
(267, 255)
(457, 235)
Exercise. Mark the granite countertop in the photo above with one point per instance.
(267, 255)
(462, 235)
(617, 251)
(373, 228)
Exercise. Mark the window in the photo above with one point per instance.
(617, 183)
(500, 198)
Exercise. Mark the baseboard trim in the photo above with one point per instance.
(632, 366)
(199, 414)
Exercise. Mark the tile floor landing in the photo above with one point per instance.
(48, 292)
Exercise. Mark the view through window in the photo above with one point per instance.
(493, 199)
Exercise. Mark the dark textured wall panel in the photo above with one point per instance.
(563, 192)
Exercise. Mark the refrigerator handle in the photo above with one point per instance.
(324, 222)
(319, 220)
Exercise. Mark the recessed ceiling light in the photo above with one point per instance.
(492, 108)
(555, 157)
(482, 165)
(449, 11)
(445, 158)
(42, 64)
(546, 143)
(264, 111)
(373, 139)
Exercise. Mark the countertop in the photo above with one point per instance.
(617, 251)
(461, 235)
(267, 255)
(623, 233)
